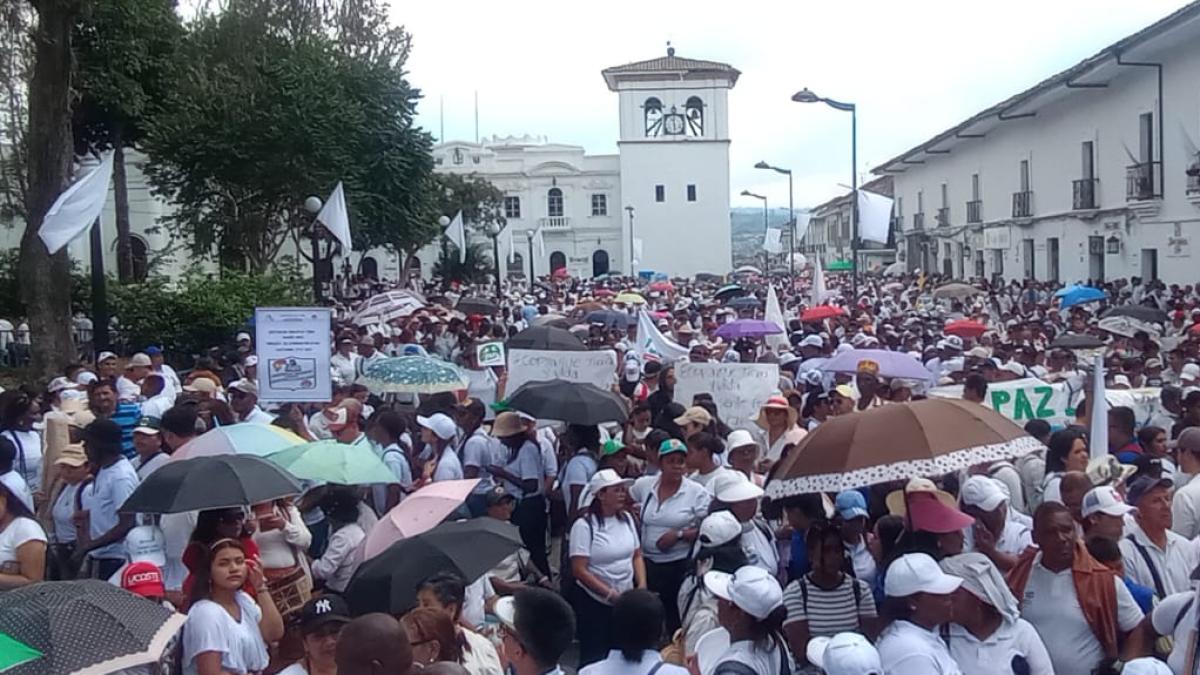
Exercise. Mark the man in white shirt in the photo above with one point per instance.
(1154, 556)
(158, 395)
(345, 362)
(243, 399)
(158, 365)
(368, 355)
(147, 442)
(536, 628)
(115, 480)
(129, 385)
(478, 453)
(994, 533)
(1185, 505)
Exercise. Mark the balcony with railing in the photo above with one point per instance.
(918, 221)
(1083, 194)
(975, 211)
(1143, 181)
(943, 217)
(555, 223)
(1193, 178)
(1022, 204)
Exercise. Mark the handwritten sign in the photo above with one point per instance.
(738, 389)
(1030, 398)
(533, 365)
(490, 354)
(293, 347)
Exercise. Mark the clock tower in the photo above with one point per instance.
(674, 158)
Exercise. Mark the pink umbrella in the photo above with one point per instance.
(419, 512)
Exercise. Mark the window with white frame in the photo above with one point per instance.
(599, 204)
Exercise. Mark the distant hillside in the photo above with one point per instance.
(746, 230)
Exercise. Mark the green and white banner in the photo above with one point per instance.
(1030, 398)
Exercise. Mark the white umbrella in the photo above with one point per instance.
(387, 306)
(894, 270)
(747, 269)
(1126, 326)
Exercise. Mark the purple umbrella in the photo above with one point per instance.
(748, 328)
(891, 364)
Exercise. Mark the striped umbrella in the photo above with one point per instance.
(414, 375)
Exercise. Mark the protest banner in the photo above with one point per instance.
(489, 354)
(738, 389)
(535, 365)
(293, 347)
(1030, 398)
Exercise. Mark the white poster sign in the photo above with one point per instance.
(293, 348)
(738, 389)
(534, 365)
(490, 354)
(1030, 398)
(997, 237)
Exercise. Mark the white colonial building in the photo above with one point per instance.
(1092, 173)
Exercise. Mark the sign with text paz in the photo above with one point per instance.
(490, 354)
(1030, 398)
(738, 389)
(293, 348)
(536, 365)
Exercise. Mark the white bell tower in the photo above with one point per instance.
(674, 149)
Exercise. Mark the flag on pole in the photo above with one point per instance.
(457, 234)
(512, 249)
(818, 287)
(874, 216)
(539, 243)
(1098, 410)
(77, 207)
(773, 241)
(335, 218)
(651, 341)
(637, 250)
(775, 313)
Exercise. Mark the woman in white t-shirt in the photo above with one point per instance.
(438, 432)
(606, 561)
(22, 543)
(750, 608)
(227, 631)
(341, 557)
(16, 420)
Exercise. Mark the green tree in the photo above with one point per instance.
(476, 268)
(481, 203)
(126, 52)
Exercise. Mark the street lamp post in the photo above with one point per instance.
(313, 205)
(791, 214)
(494, 231)
(629, 210)
(529, 236)
(766, 227)
(806, 96)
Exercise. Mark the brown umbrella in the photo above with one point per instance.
(955, 290)
(898, 441)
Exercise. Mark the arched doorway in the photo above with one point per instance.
(558, 260)
(369, 268)
(139, 252)
(599, 263)
(414, 266)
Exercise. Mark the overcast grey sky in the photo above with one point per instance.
(914, 68)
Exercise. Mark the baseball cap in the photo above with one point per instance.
(243, 336)
(1146, 665)
(440, 424)
(851, 504)
(59, 384)
(201, 385)
(245, 386)
(844, 654)
(671, 445)
(719, 528)
(1142, 484)
(146, 543)
(917, 573)
(497, 494)
(153, 350)
(1108, 470)
(845, 391)
(611, 447)
(1104, 499)
(752, 589)
(733, 486)
(105, 356)
(1190, 372)
(811, 341)
(739, 438)
(694, 414)
(138, 360)
(144, 579)
(147, 425)
(250, 360)
(318, 611)
(953, 342)
(983, 493)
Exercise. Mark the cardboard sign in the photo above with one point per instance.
(534, 365)
(738, 389)
(490, 354)
(293, 348)
(1030, 398)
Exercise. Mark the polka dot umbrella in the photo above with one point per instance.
(413, 375)
(87, 627)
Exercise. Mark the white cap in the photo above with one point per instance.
(1104, 499)
(1014, 368)
(733, 486)
(953, 342)
(58, 384)
(104, 356)
(604, 478)
(979, 353)
(139, 360)
(739, 437)
(812, 341)
(752, 589)
(982, 492)
(146, 543)
(250, 360)
(16, 485)
(917, 573)
(86, 377)
(1190, 372)
(242, 336)
(245, 386)
(844, 654)
(719, 528)
(1147, 665)
(440, 424)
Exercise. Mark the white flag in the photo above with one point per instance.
(651, 341)
(775, 313)
(874, 216)
(637, 250)
(512, 249)
(1098, 410)
(335, 218)
(772, 242)
(539, 243)
(77, 207)
(457, 234)
(818, 286)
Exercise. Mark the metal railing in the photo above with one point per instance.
(1022, 204)
(555, 222)
(918, 221)
(1083, 193)
(1143, 181)
(943, 217)
(975, 211)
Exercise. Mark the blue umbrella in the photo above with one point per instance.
(610, 318)
(1078, 295)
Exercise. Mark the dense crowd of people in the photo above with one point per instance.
(649, 545)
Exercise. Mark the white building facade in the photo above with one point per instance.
(1092, 174)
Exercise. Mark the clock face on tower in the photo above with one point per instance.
(673, 124)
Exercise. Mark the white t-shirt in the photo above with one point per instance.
(210, 628)
(29, 456)
(760, 547)
(908, 649)
(1051, 605)
(395, 458)
(448, 466)
(1164, 618)
(747, 653)
(19, 532)
(707, 479)
(616, 664)
(62, 512)
(577, 471)
(609, 545)
(527, 465)
(110, 489)
(477, 451)
(994, 655)
(294, 669)
(682, 510)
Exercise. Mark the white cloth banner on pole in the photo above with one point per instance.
(539, 243)
(773, 241)
(818, 286)
(1098, 410)
(803, 218)
(874, 216)
(77, 207)
(457, 234)
(336, 219)
(775, 313)
(637, 250)
(651, 341)
(512, 248)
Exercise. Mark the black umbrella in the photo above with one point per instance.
(388, 582)
(730, 291)
(477, 306)
(748, 302)
(1139, 312)
(217, 482)
(1076, 341)
(611, 318)
(571, 402)
(546, 337)
(79, 625)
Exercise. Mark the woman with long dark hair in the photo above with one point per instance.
(720, 549)
(637, 630)
(431, 635)
(1067, 451)
(211, 526)
(18, 413)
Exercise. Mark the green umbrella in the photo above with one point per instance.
(840, 266)
(334, 462)
(413, 375)
(13, 652)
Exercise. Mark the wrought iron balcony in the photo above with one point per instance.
(1022, 204)
(1084, 194)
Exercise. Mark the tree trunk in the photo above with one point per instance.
(45, 279)
(121, 202)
